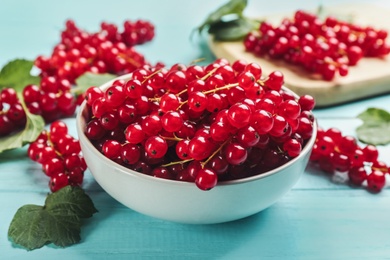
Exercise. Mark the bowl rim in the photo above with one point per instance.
(81, 134)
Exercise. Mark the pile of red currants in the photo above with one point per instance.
(106, 51)
(326, 48)
(199, 124)
(334, 153)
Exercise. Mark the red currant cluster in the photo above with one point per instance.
(78, 52)
(12, 114)
(200, 124)
(321, 47)
(59, 154)
(335, 153)
(106, 51)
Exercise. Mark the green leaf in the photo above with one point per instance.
(57, 222)
(89, 79)
(16, 75)
(72, 199)
(231, 30)
(375, 129)
(34, 126)
(27, 227)
(235, 7)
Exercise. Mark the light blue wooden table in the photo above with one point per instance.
(317, 219)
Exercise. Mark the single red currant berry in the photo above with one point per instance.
(73, 161)
(279, 127)
(246, 80)
(57, 130)
(219, 164)
(31, 93)
(255, 69)
(235, 154)
(156, 147)
(172, 121)
(94, 131)
(197, 101)
(8, 96)
(200, 147)
(289, 109)
(219, 131)
(357, 158)
(340, 162)
(292, 147)
(109, 120)
(151, 124)
(76, 176)
(58, 181)
(262, 121)
(111, 149)
(46, 154)
(206, 179)
(168, 102)
(326, 145)
(357, 174)
(182, 149)
(275, 80)
(306, 102)
(92, 94)
(239, 115)
(134, 133)
(133, 88)
(376, 181)
(370, 153)
(114, 96)
(34, 150)
(247, 136)
(130, 153)
(53, 166)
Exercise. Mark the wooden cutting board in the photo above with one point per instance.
(369, 78)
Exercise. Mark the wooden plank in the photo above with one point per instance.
(369, 78)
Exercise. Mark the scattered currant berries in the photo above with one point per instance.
(200, 124)
(335, 153)
(326, 47)
(60, 156)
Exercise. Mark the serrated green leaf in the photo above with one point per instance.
(62, 230)
(27, 229)
(231, 30)
(71, 200)
(34, 126)
(58, 222)
(235, 7)
(89, 79)
(17, 74)
(375, 129)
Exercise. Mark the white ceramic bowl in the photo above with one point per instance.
(181, 201)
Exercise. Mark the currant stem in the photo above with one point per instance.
(174, 138)
(150, 76)
(214, 153)
(220, 88)
(211, 72)
(176, 162)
